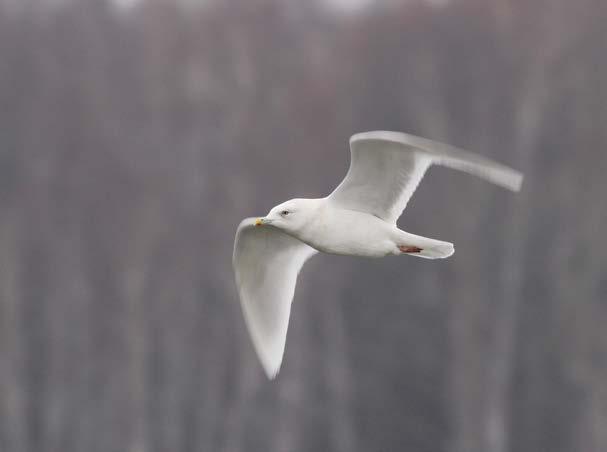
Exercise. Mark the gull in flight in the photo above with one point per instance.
(357, 219)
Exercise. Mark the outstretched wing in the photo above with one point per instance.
(266, 264)
(386, 167)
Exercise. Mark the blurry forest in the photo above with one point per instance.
(134, 139)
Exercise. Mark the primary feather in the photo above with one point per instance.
(266, 264)
(386, 168)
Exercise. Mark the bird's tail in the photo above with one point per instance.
(417, 245)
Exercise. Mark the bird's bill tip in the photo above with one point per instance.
(262, 221)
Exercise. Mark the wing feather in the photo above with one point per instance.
(266, 264)
(386, 168)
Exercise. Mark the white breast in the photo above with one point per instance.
(348, 232)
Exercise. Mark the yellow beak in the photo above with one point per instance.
(259, 222)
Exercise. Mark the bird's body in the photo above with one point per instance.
(347, 232)
(357, 219)
(335, 230)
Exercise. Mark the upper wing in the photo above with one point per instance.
(266, 264)
(386, 167)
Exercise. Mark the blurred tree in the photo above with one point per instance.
(134, 140)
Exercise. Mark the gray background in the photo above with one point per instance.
(132, 142)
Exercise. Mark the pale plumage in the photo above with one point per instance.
(266, 264)
(358, 218)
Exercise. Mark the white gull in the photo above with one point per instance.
(357, 219)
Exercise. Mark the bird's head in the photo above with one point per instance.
(291, 215)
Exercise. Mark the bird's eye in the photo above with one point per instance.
(284, 213)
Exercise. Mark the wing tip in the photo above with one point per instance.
(517, 182)
(506, 177)
(270, 361)
(270, 370)
(509, 179)
(269, 354)
(269, 350)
